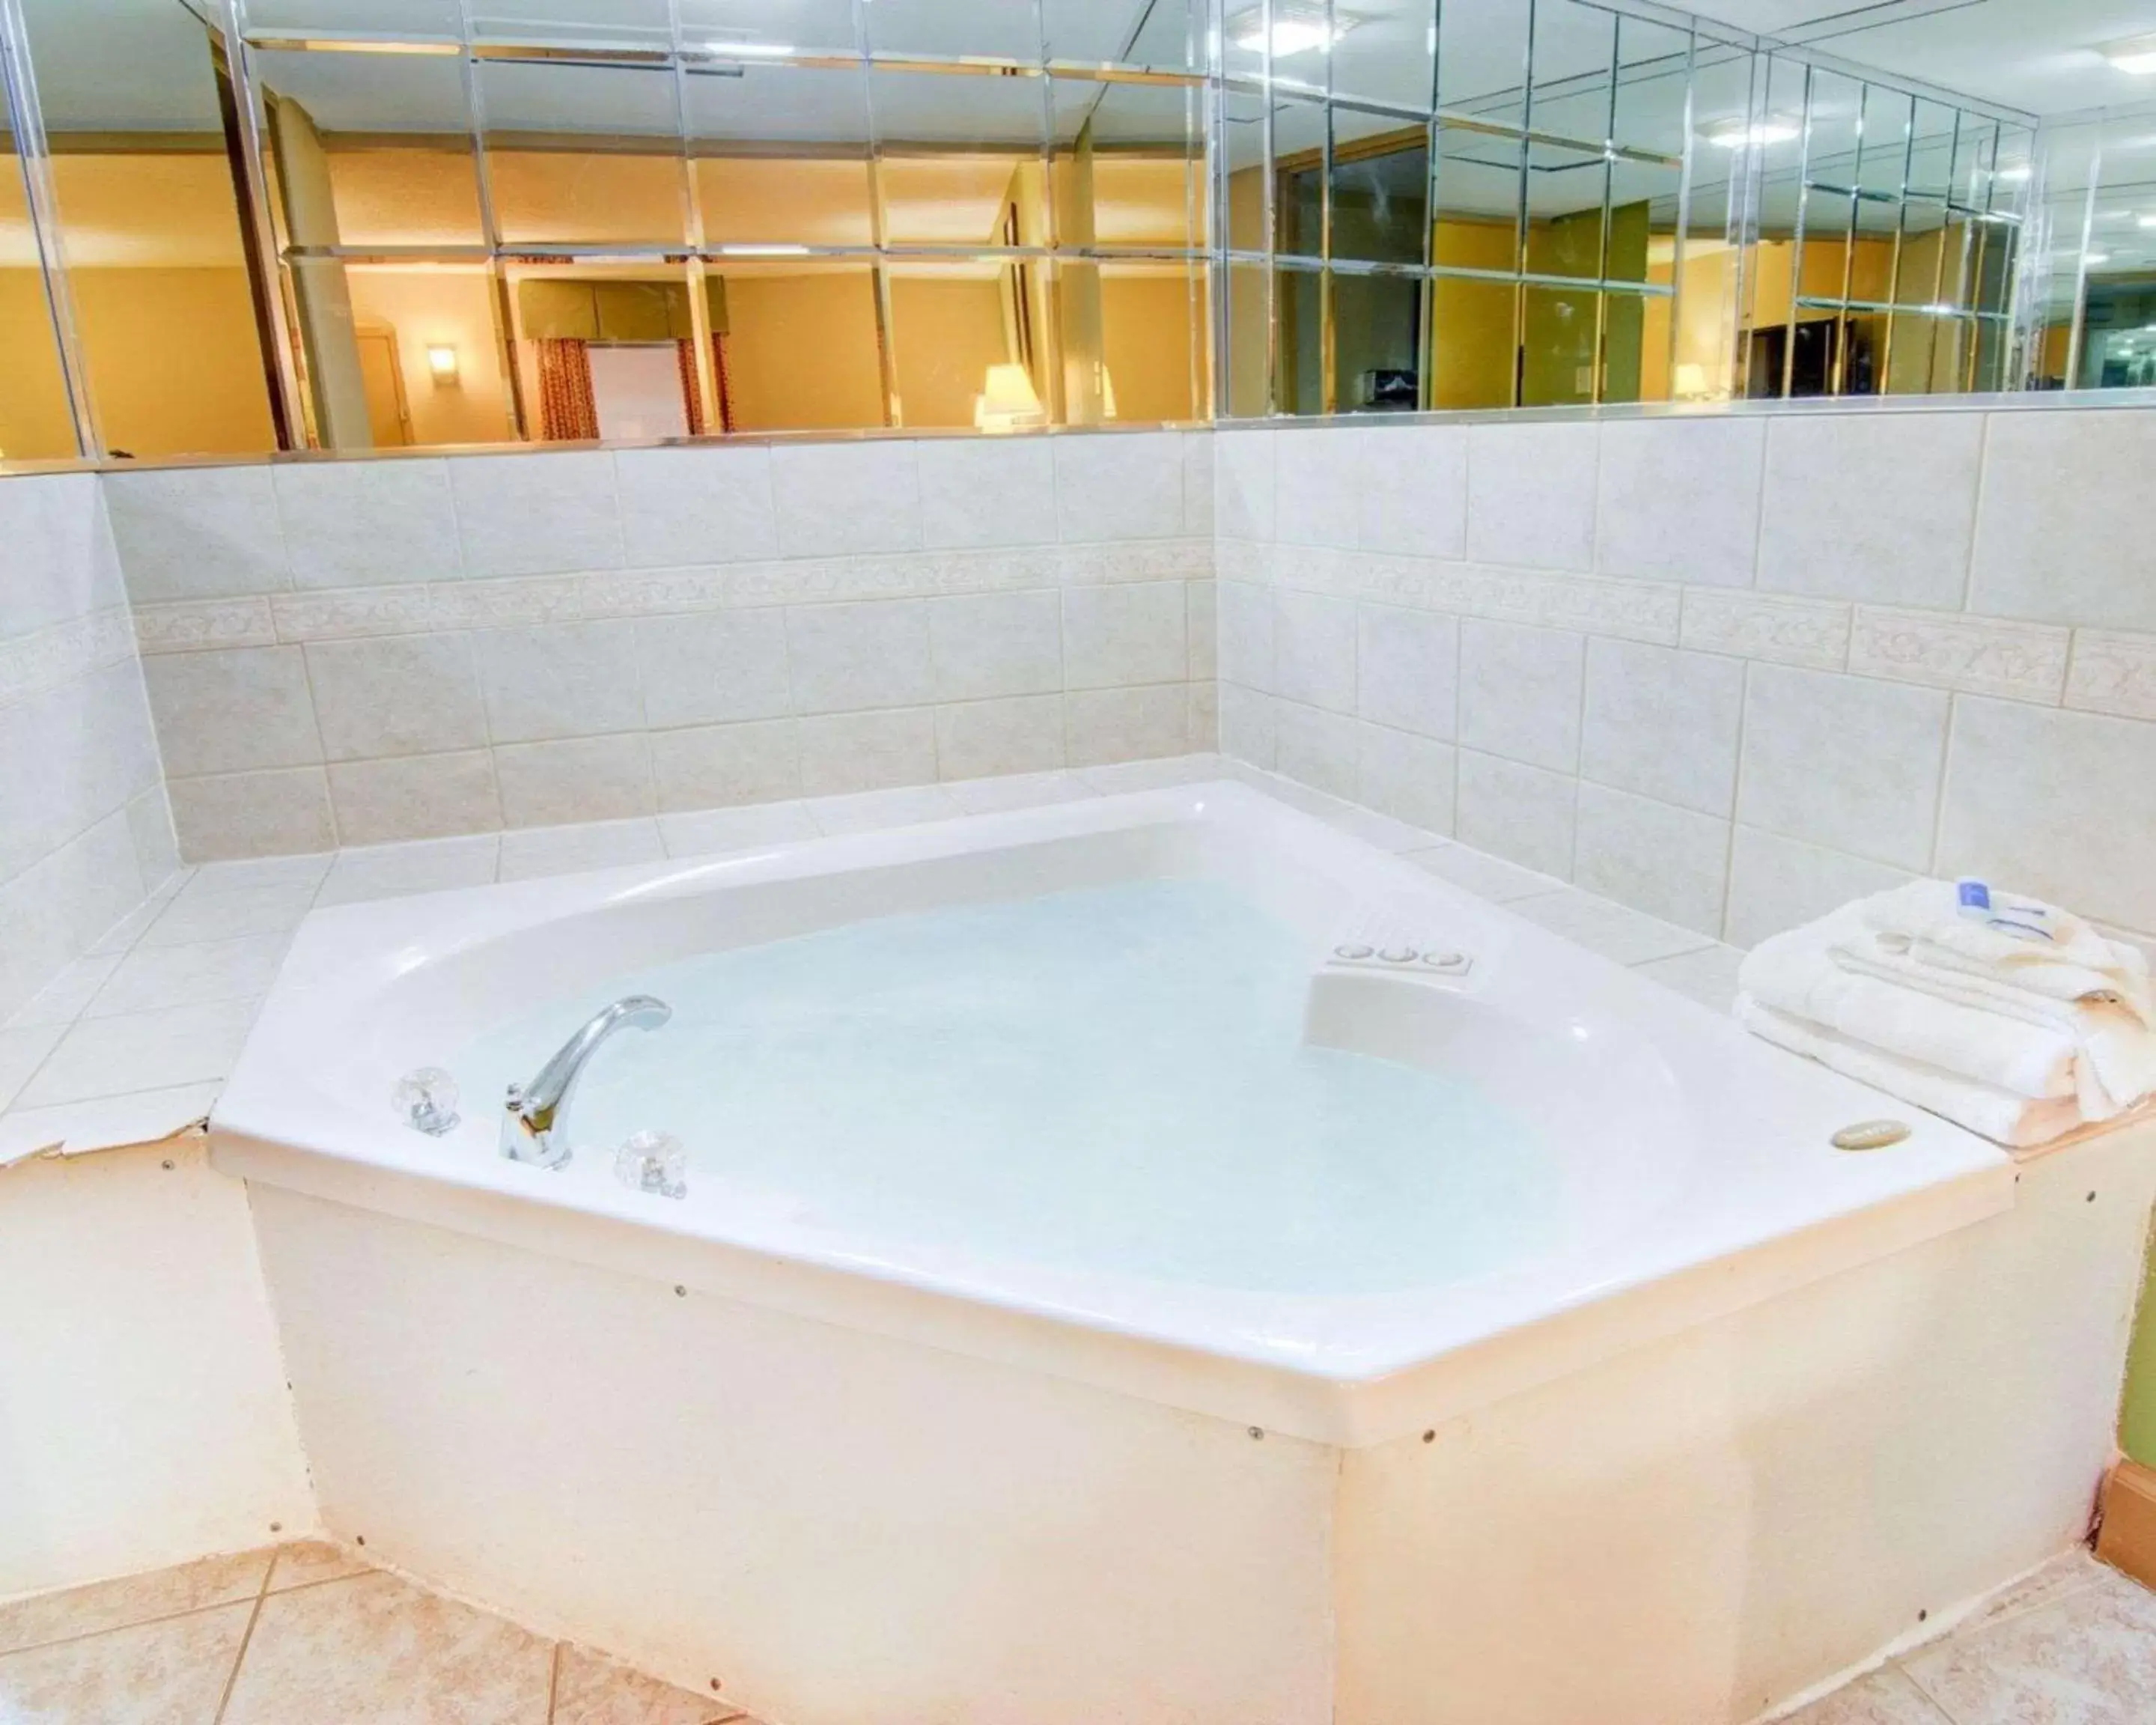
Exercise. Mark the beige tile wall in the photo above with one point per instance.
(353, 653)
(1730, 670)
(84, 832)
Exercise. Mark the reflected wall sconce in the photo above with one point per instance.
(442, 364)
(1692, 382)
(1007, 401)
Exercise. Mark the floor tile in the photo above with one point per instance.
(1483, 875)
(713, 832)
(870, 811)
(1022, 790)
(1616, 932)
(146, 1051)
(1708, 976)
(227, 915)
(248, 874)
(156, 978)
(534, 852)
(2089, 1659)
(305, 1561)
(1886, 1697)
(590, 1689)
(424, 865)
(131, 1598)
(376, 1651)
(147, 1116)
(2063, 1576)
(22, 1052)
(167, 1673)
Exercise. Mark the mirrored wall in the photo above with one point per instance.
(234, 226)
(1494, 203)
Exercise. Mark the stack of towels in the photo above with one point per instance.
(2010, 1017)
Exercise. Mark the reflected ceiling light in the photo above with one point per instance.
(2014, 176)
(2136, 55)
(763, 251)
(1736, 134)
(2093, 258)
(2145, 222)
(1294, 31)
(751, 50)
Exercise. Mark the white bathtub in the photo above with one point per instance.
(854, 1467)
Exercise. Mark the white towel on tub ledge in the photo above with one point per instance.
(2018, 1122)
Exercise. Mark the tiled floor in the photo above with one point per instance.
(131, 1042)
(302, 1634)
(2075, 1643)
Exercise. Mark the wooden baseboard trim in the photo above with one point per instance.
(2127, 1540)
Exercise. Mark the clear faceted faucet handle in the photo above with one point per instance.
(426, 1101)
(653, 1162)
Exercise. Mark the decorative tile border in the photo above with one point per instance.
(2113, 672)
(32, 664)
(2025, 661)
(346, 614)
(1765, 626)
(1632, 610)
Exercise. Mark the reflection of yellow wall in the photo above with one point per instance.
(1146, 340)
(405, 195)
(802, 353)
(1472, 321)
(550, 197)
(35, 425)
(175, 362)
(456, 308)
(948, 330)
(792, 200)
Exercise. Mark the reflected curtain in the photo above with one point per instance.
(567, 411)
(692, 398)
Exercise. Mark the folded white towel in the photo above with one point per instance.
(1924, 920)
(2016, 1121)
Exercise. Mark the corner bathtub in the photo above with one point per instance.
(1521, 1350)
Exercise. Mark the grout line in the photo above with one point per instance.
(1736, 798)
(246, 1641)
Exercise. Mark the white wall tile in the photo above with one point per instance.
(1843, 762)
(705, 504)
(1774, 627)
(844, 752)
(1247, 634)
(1412, 489)
(271, 814)
(1203, 705)
(1521, 814)
(1531, 493)
(713, 667)
(1672, 863)
(983, 739)
(1678, 499)
(536, 514)
(1314, 650)
(60, 564)
(1247, 727)
(414, 797)
(1118, 486)
(718, 766)
(1198, 483)
(56, 909)
(2113, 672)
(157, 846)
(197, 532)
(1619, 932)
(68, 757)
(580, 778)
(367, 523)
(1520, 692)
(1201, 610)
(402, 695)
(1410, 777)
(1125, 634)
(1777, 884)
(1101, 726)
(2062, 533)
(2059, 804)
(1407, 668)
(1979, 653)
(983, 645)
(987, 491)
(1316, 493)
(1322, 750)
(1663, 722)
(1877, 506)
(225, 712)
(836, 500)
(559, 679)
(848, 657)
(1242, 484)
(1486, 876)
(423, 865)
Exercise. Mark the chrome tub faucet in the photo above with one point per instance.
(535, 1120)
